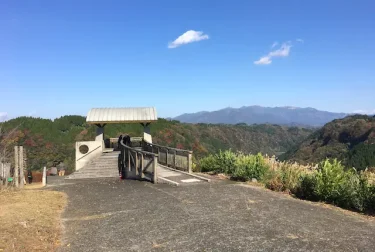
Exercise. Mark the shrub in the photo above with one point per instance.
(249, 166)
(352, 191)
(369, 203)
(208, 164)
(290, 177)
(287, 177)
(226, 161)
(273, 181)
(307, 188)
(329, 176)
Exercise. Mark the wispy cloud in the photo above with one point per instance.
(300, 40)
(188, 37)
(263, 61)
(364, 112)
(283, 51)
(3, 116)
(274, 44)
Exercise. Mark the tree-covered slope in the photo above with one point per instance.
(49, 142)
(351, 139)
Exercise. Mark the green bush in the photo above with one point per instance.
(239, 166)
(247, 167)
(369, 203)
(307, 188)
(352, 191)
(208, 164)
(224, 161)
(329, 177)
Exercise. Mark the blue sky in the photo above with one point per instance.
(65, 57)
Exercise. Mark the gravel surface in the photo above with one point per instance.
(114, 215)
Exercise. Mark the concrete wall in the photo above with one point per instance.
(95, 149)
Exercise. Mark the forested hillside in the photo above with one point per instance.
(49, 142)
(351, 139)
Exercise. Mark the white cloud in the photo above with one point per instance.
(283, 51)
(274, 44)
(300, 40)
(263, 61)
(364, 112)
(188, 37)
(3, 116)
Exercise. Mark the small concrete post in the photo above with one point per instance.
(44, 179)
(174, 158)
(155, 168)
(166, 156)
(16, 167)
(136, 164)
(190, 161)
(142, 166)
(21, 166)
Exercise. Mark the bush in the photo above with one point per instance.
(329, 177)
(273, 181)
(221, 162)
(286, 178)
(208, 164)
(369, 203)
(352, 191)
(249, 166)
(226, 161)
(307, 188)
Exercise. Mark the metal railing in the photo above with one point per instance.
(137, 164)
(172, 157)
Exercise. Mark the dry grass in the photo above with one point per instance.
(30, 219)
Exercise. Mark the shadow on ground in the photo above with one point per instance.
(114, 215)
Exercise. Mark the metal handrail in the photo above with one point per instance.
(169, 148)
(140, 151)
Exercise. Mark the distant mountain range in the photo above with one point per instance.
(292, 116)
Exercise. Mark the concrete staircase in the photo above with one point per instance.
(105, 166)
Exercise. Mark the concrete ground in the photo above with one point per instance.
(114, 215)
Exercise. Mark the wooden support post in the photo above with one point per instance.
(174, 158)
(16, 167)
(155, 168)
(190, 162)
(21, 166)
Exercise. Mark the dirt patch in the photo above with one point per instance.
(30, 220)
